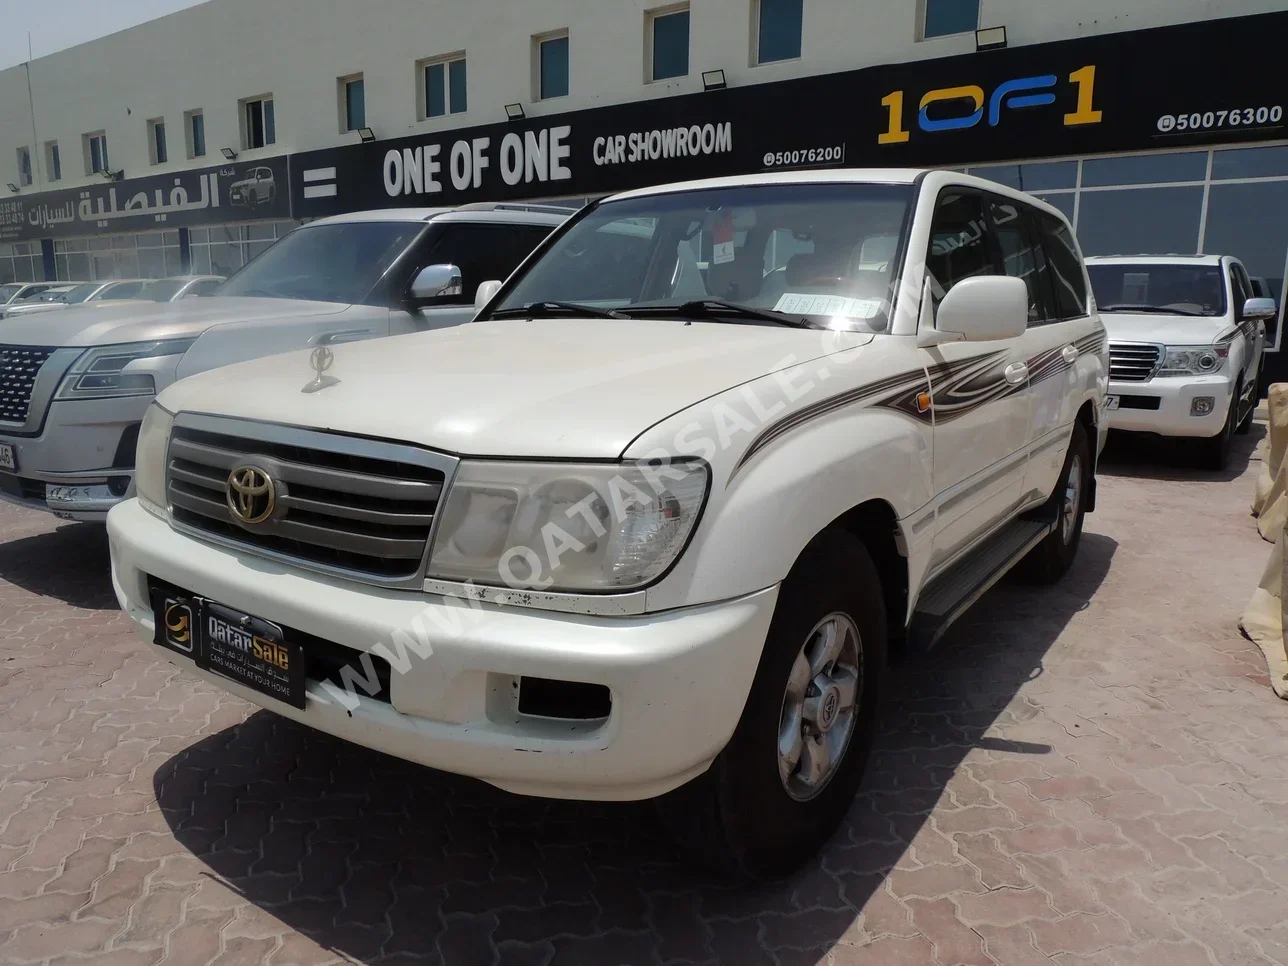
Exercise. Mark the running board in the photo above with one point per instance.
(949, 595)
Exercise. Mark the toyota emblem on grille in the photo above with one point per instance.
(252, 495)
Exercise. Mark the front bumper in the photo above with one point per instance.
(1163, 404)
(678, 680)
(82, 463)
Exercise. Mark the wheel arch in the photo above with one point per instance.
(1087, 418)
(875, 524)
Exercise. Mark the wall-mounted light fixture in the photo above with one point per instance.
(514, 112)
(714, 80)
(229, 154)
(990, 38)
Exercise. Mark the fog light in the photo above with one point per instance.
(1202, 405)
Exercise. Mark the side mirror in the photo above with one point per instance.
(1259, 308)
(436, 283)
(485, 293)
(985, 309)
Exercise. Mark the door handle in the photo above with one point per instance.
(1070, 354)
(1017, 373)
(343, 335)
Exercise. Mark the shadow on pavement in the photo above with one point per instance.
(71, 564)
(1146, 457)
(379, 859)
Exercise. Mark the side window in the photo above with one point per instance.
(481, 252)
(1015, 243)
(126, 290)
(959, 241)
(526, 239)
(204, 287)
(1240, 288)
(1064, 266)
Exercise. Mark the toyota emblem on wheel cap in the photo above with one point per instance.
(252, 495)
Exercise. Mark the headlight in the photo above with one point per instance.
(1193, 360)
(567, 527)
(118, 370)
(149, 460)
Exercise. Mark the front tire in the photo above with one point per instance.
(1051, 559)
(1245, 424)
(1214, 453)
(785, 781)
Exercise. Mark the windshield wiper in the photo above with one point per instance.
(721, 309)
(1155, 309)
(546, 309)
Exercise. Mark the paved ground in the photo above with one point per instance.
(1092, 774)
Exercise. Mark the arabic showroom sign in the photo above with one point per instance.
(236, 192)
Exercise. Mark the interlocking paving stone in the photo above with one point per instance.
(1090, 773)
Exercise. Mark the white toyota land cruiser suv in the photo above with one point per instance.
(1186, 336)
(74, 385)
(655, 524)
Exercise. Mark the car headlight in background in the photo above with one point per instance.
(149, 461)
(118, 370)
(566, 527)
(1193, 360)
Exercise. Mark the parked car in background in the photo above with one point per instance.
(180, 287)
(109, 290)
(21, 291)
(80, 380)
(257, 188)
(1186, 342)
(704, 464)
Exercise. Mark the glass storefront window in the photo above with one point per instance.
(1143, 221)
(1066, 202)
(1046, 176)
(1247, 221)
(1144, 169)
(1268, 162)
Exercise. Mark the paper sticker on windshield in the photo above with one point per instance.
(722, 251)
(833, 306)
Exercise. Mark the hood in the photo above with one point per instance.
(1160, 329)
(582, 388)
(111, 324)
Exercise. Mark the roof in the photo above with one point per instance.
(521, 213)
(814, 176)
(1155, 259)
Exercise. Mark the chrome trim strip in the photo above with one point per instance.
(970, 487)
(594, 605)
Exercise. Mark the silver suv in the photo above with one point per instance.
(74, 385)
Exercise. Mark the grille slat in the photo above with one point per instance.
(1133, 362)
(19, 366)
(368, 516)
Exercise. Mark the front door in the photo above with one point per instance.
(979, 392)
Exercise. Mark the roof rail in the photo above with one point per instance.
(517, 206)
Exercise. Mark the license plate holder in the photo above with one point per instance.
(251, 651)
(8, 458)
(1111, 404)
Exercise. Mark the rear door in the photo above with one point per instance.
(979, 391)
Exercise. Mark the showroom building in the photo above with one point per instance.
(192, 141)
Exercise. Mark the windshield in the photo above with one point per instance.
(9, 291)
(162, 290)
(820, 252)
(80, 293)
(1196, 290)
(325, 263)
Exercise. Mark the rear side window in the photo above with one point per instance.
(481, 251)
(1064, 267)
(126, 290)
(1011, 225)
(960, 241)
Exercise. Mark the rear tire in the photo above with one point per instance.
(756, 814)
(1052, 558)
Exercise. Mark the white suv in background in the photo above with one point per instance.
(1186, 336)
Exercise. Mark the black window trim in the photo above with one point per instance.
(994, 249)
(1082, 264)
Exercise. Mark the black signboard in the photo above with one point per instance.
(1190, 84)
(236, 191)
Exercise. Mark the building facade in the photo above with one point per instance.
(191, 142)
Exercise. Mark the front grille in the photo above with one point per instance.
(362, 515)
(1132, 361)
(19, 366)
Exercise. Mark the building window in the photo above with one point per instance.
(96, 153)
(778, 30)
(667, 39)
(552, 66)
(53, 163)
(156, 141)
(444, 90)
(259, 127)
(944, 17)
(24, 167)
(195, 133)
(353, 103)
